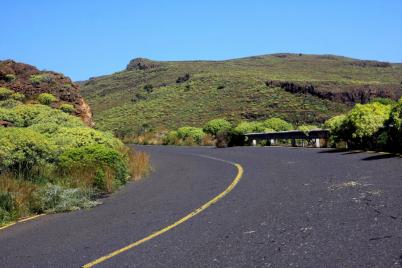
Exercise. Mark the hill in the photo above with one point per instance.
(28, 80)
(296, 87)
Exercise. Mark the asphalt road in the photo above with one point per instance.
(291, 208)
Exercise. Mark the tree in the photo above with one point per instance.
(277, 124)
(215, 126)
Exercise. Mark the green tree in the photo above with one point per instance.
(194, 133)
(277, 124)
(248, 127)
(46, 98)
(215, 126)
(5, 93)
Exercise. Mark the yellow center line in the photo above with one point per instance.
(182, 220)
(22, 220)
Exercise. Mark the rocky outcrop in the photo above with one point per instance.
(31, 82)
(142, 64)
(370, 63)
(345, 93)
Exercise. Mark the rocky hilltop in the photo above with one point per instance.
(31, 82)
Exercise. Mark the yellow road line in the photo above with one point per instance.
(22, 220)
(184, 219)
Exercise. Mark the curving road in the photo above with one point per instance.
(292, 207)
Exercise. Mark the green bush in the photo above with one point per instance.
(385, 101)
(307, 128)
(6, 201)
(171, 138)
(362, 127)
(277, 124)
(67, 108)
(39, 78)
(46, 129)
(18, 96)
(46, 98)
(392, 135)
(5, 216)
(22, 149)
(215, 126)
(27, 115)
(336, 127)
(10, 77)
(9, 103)
(75, 137)
(5, 93)
(248, 127)
(97, 156)
(365, 120)
(194, 133)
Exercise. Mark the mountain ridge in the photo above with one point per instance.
(152, 94)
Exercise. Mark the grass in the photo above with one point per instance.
(139, 164)
(20, 198)
(233, 89)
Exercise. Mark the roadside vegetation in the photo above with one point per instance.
(50, 161)
(373, 126)
(219, 132)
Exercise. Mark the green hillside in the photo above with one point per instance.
(298, 88)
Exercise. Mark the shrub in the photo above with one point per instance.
(277, 124)
(365, 120)
(307, 128)
(22, 149)
(194, 133)
(183, 78)
(10, 77)
(148, 88)
(98, 157)
(248, 127)
(67, 108)
(18, 96)
(6, 201)
(362, 126)
(336, 127)
(217, 125)
(27, 115)
(5, 93)
(392, 134)
(385, 101)
(46, 98)
(74, 137)
(9, 103)
(38, 78)
(171, 138)
(55, 198)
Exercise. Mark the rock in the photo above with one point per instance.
(50, 82)
(350, 94)
(142, 64)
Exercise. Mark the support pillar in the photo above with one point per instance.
(317, 143)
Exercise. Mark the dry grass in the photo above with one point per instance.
(21, 190)
(148, 138)
(138, 163)
(208, 140)
(81, 177)
(110, 176)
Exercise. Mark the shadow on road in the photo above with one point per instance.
(369, 158)
(330, 151)
(379, 157)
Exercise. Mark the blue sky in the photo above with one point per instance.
(91, 38)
